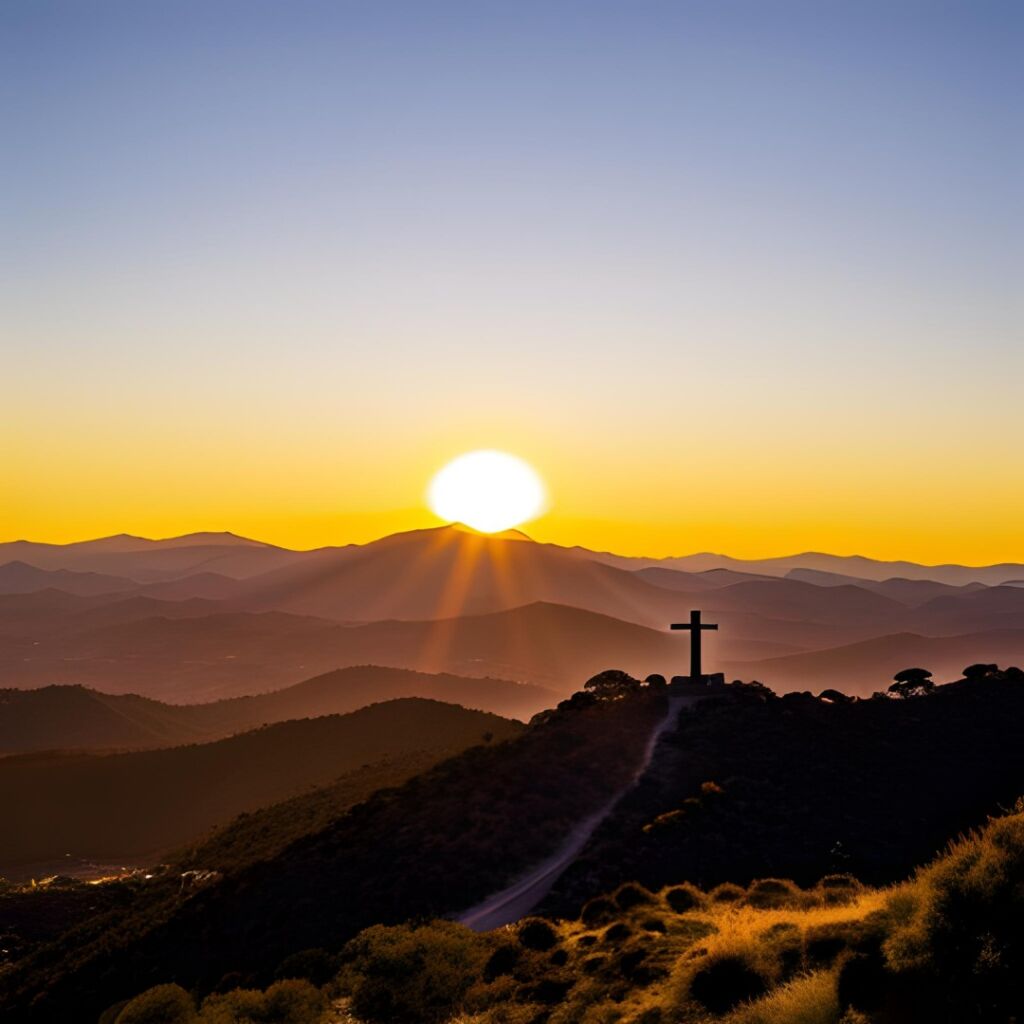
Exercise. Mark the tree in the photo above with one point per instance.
(611, 684)
(656, 681)
(980, 670)
(835, 697)
(912, 682)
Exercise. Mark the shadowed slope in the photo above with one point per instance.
(120, 806)
(73, 717)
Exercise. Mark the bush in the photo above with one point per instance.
(725, 982)
(770, 893)
(618, 932)
(598, 911)
(164, 1004)
(314, 965)
(536, 933)
(631, 895)
(807, 1000)
(411, 975)
(960, 924)
(285, 1002)
(685, 897)
(502, 962)
(727, 893)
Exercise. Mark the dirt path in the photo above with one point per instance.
(522, 896)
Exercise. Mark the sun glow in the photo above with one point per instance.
(487, 490)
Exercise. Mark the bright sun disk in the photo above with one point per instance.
(487, 490)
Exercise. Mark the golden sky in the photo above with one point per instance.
(735, 282)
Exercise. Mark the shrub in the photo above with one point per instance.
(164, 1004)
(502, 962)
(862, 981)
(726, 981)
(682, 898)
(293, 1002)
(536, 933)
(598, 911)
(618, 932)
(959, 922)
(727, 893)
(411, 975)
(285, 1002)
(769, 893)
(631, 895)
(315, 965)
(807, 1000)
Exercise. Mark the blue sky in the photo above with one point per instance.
(486, 221)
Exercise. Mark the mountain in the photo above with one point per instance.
(146, 561)
(77, 718)
(22, 578)
(206, 656)
(869, 665)
(125, 806)
(446, 572)
(855, 567)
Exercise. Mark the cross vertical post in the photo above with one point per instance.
(696, 627)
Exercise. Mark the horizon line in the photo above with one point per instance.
(502, 535)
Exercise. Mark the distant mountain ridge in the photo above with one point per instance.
(77, 718)
(213, 615)
(78, 553)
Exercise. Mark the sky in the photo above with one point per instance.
(733, 276)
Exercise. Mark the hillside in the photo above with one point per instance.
(753, 784)
(768, 953)
(122, 807)
(438, 843)
(74, 717)
(728, 799)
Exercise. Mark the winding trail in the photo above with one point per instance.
(523, 895)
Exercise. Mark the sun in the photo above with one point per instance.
(487, 490)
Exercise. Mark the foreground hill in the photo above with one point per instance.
(121, 807)
(942, 946)
(439, 843)
(750, 785)
(74, 717)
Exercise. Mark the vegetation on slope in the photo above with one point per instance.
(435, 845)
(133, 805)
(945, 946)
(805, 787)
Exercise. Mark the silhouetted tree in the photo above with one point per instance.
(611, 684)
(912, 682)
(835, 697)
(656, 681)
(980, 670)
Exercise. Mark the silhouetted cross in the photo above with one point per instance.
(695, 626)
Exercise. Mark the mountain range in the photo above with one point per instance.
(210, 616)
